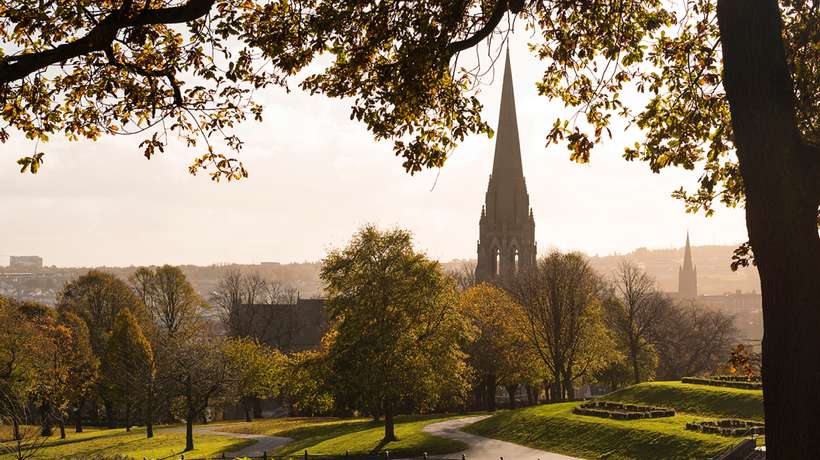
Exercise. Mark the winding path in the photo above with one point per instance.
(264, 443)
(482, 448)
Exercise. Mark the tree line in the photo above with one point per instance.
(404, 336)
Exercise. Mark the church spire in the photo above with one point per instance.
(507, 162)
(687, 255)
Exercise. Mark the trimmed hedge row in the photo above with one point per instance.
(621, 411)
(728, 427)
(738, 378)
(742, 384)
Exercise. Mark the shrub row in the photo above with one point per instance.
(745, 385)
(738, 378)
(728, 427)
(620, 411)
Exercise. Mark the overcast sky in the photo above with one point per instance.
(316, 176)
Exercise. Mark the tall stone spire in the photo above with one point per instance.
(688, 274)
(506, 227)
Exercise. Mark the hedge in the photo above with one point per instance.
(728, 427)
(621, 411)
(724, 382)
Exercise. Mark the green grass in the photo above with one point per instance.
(328, 436)
(366, 438)
(164, 445)
(553, 427)
(718, 402)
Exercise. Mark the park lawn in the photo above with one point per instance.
(134, 444)
(303, 425)
(553, 427)
(718, 402)
(363, 436)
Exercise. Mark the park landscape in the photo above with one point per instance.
(519, 353)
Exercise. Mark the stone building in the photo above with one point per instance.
(506, 242)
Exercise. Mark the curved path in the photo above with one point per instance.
(264, 443)
(482, 448)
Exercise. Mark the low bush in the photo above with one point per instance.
(621, 411)
(725, 381)
(728, 427)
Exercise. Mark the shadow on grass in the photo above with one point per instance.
(308, 436)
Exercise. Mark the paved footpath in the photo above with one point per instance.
(264, 443)
(482, 448)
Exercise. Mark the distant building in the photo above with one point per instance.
(287, 327)
(26, 262)
(747, 310)
(687, 275)
(506, 241)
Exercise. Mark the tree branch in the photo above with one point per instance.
(499, 9)
(100, 37)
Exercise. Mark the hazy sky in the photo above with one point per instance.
(316, 176)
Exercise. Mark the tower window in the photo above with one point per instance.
(516, 261)
(497, 262)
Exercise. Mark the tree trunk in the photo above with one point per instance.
(62, 426)
(190, 414)
(489, 392)
(633, 354)
(78, 416)
(128, 416)
(257, 408)
(511, 389)
(45, 418)
(247, 408)
(15, 430)
(781, 176)
(109, 414)
(389, 427)
(189, 431)
(149, 414)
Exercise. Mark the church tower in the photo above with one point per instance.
(688, 275)
(506, 241)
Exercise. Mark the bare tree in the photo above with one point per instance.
(691, 340)
(464, 276)
(634, 306)
(174, 304)
(26, 436)
(556, 295)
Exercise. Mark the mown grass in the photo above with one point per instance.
(718, 402)
(164, 445)
(364, 437)
(555, 428)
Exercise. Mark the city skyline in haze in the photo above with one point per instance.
(316, 176)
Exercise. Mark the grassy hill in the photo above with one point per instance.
(555, 428)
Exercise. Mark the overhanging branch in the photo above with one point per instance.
(100, 37)
(499, 9)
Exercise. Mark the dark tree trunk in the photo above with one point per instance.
(15, 430)
(128, 416)
(149, 413)
(636, 370)
(45, 418)
(247, 407)
(62, 426)
(781, 176)
(389, 426)
(257, 408)
(109, 413)
(511, 389)
(78, 416)
(189, 431)
(489, 392)
(547, 391)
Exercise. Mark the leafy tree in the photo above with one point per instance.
(173, 303)
(560, 298)
(83, 365)
(255, 371)
(128, 369)
(19, 343)
(305, 388)
(396, 331)
(97, 298)
(728, 84)
(498, 348)
(634, 306)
